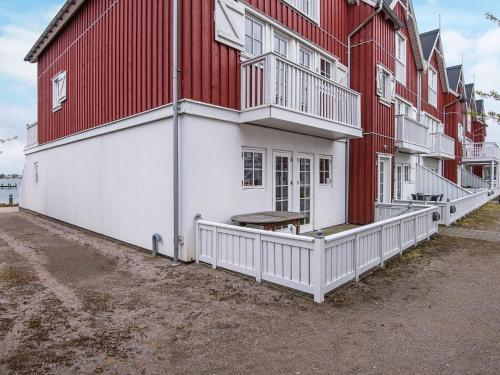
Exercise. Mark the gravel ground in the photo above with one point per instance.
(74, 303)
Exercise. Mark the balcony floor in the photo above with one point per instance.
(289, 120)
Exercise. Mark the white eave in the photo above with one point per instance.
(63, 16)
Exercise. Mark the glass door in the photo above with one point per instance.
(305, 190)
(282, 181)
(399, 182)
(384, 179)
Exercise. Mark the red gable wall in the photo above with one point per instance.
(111, 53)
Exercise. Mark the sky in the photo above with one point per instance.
(465, 31)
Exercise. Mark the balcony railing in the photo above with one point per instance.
(32, 135)
(273, 81)
(487, 151)
(442, 146)
(411, 135)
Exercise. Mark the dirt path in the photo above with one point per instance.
(73, 303)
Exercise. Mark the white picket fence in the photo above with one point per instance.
(450, 211)
(428, 182)
(311, 265)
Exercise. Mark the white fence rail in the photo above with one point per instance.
(470, 180)
(412, 132)
(271, 79)
(486, 150)
(384, 211)
(428, 182)
(32, 134)
(311, 265)
(441, 144)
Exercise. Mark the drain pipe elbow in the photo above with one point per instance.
(156, 240)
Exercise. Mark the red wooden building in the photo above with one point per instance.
(151, 112)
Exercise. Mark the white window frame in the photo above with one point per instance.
(433, 91)
(332, 65)
(401, 60)
(59, 90)
(328, 180)
(312, 14)
(461, 135)
(254, 21)
(406, 173)
(387, 92)
(254, 151)
(307, 51)
(282, 39)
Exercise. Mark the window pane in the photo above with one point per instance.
(258, 160)
(257, 178)
(248, 177)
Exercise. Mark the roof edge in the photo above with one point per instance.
(52, 30)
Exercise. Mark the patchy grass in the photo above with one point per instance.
(14, 276)
(487, 217)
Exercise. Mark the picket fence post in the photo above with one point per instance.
(356, 256)
(319, 267)
(258, 258)
(447, 213)
(215, 248)
(197, 239)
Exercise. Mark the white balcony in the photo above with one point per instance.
(278, 93)
(411, 135)
(481, 153)
(32, 135)
(442, 146)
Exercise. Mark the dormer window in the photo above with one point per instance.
(58, 91)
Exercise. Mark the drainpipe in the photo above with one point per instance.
(348, 142)
(176, 140)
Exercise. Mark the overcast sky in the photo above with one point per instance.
(465, 31)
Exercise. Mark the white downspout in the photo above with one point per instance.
(176, 137)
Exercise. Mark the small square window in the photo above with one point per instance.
(325, 170)
(253, 168)
(58, 91)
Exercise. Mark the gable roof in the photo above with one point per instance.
(454, 74)
(428, 41)
(60, 20)
(469, 93)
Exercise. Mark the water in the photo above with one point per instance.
(4, 193)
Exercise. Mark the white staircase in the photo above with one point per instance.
(471, 181)
(429, 182)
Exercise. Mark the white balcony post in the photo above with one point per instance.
(272, 79)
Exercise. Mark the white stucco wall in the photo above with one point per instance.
(212, 173)
(118, 184)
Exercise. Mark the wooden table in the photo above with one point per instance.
(270, 220)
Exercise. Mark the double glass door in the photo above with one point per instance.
(293, 185)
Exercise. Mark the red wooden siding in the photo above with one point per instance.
(112, 53)
(376, 46)
(453, 115)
